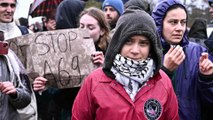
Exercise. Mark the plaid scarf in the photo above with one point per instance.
(132, 74)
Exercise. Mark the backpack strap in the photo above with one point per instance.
(23, 30)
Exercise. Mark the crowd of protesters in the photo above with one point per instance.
(150, 66)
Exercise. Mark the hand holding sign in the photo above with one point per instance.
(62, 56)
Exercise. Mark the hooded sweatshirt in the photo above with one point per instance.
(67, 13)
(54, 101)
(198, 32)
(189, 84)
(124, 30)
(198, 29)
(139, 4)
(101, 97)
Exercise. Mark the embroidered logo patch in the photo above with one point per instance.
(152, 109)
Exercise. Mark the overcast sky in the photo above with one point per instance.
(22, 9)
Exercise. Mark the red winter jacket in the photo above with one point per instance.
(102, 98)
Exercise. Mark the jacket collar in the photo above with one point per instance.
(7, 27)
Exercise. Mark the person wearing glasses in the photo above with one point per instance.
(16, 93)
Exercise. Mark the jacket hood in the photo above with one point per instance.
(198, 29)
(139, 4)
(159, 13)
(68, 13)
(133, 22)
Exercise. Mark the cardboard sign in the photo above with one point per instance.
(61, 56)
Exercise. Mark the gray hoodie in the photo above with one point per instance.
(133, 22)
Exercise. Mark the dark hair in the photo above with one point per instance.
(175, 6)
(23, 21)
(51, 15)
(210, 4)
(99, 16)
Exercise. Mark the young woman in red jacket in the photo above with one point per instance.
(130, 86)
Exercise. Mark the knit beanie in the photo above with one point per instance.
(116, 4)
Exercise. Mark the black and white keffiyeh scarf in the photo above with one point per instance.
(132, 74)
